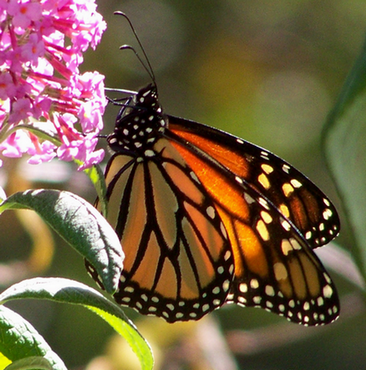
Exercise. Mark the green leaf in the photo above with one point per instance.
(80, 224)
(69, 291)
(344, 139)
(33, 362)
(19, 340)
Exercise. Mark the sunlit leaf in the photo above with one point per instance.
(69, 291)
(19, 340)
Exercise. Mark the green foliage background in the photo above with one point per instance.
(267, 71)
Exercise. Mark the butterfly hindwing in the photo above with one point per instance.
(279, 272)
(178, 263)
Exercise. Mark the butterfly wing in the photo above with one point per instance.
(274, 266)
(178, 260)
(298, 199)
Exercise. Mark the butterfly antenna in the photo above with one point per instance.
(148, 68)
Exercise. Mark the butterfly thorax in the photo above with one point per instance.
(139, 124)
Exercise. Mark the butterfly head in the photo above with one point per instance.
(147, 97)
(139, 124)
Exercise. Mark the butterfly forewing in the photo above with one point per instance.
(289, 190)
(178, 262)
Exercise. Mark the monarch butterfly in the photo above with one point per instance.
(206, 218)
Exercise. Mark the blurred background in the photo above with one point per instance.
(267, 71)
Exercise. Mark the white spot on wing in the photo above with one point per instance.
(211, 212)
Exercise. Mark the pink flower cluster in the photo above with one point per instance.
(47, 108)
